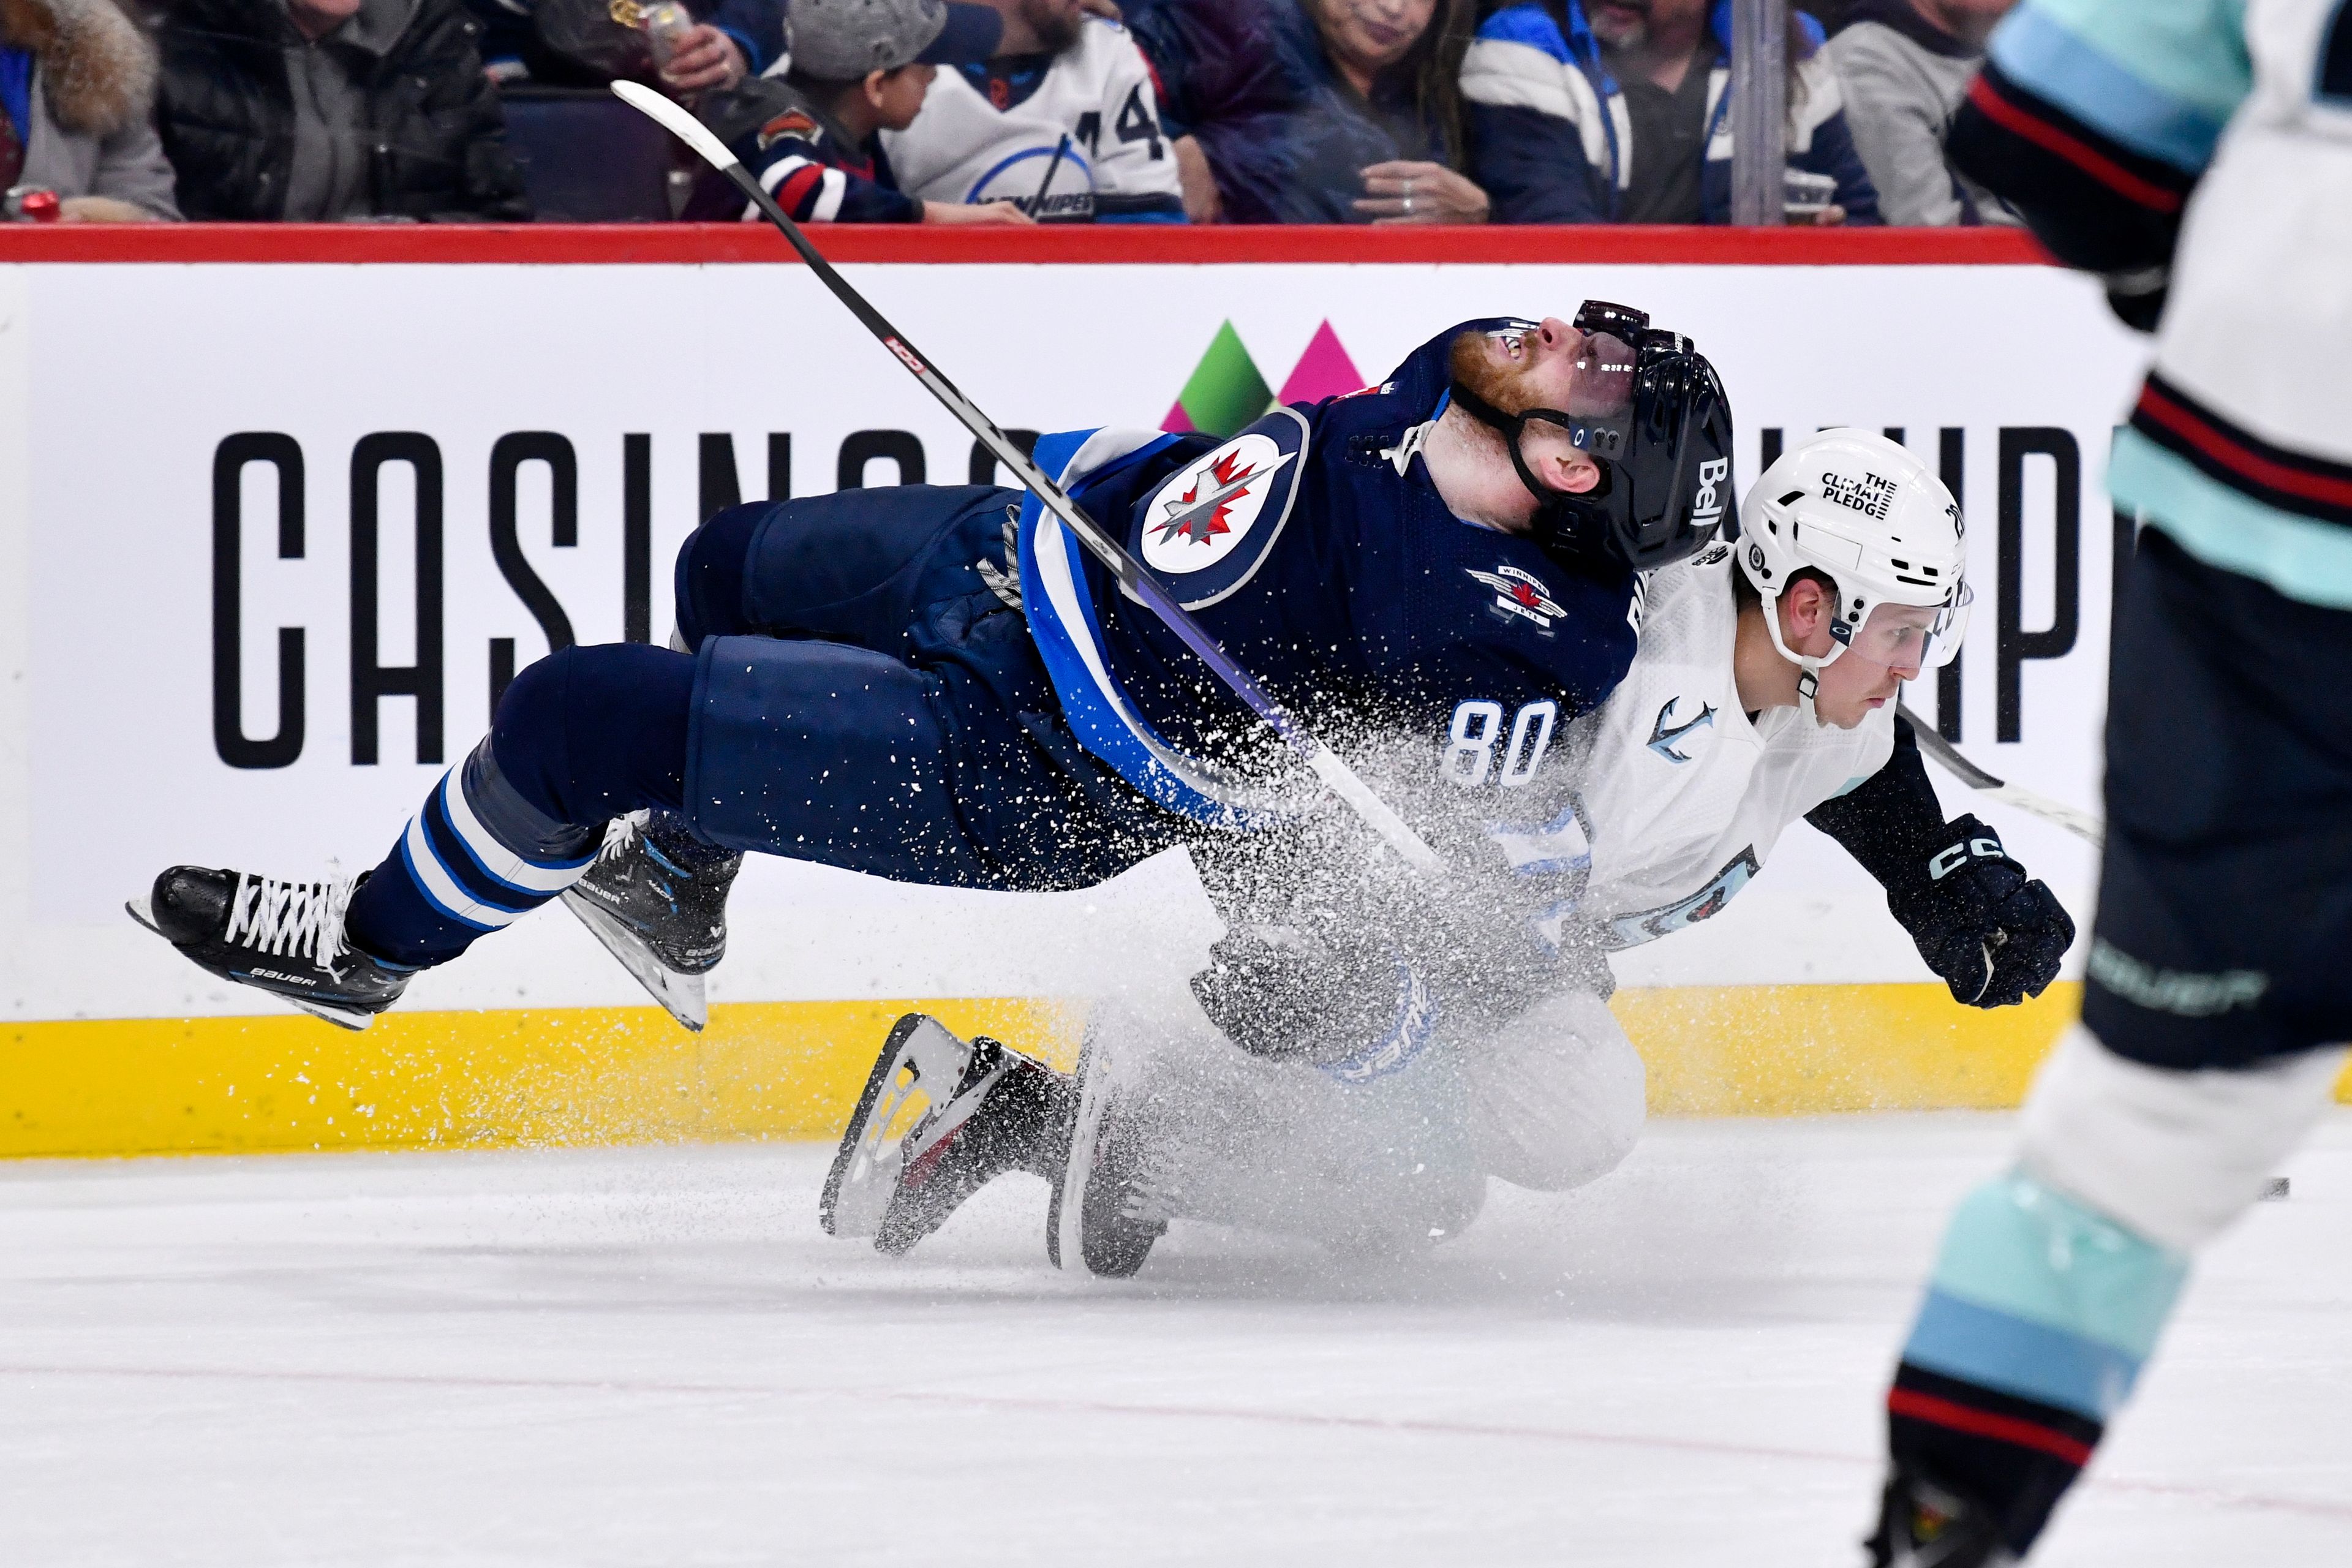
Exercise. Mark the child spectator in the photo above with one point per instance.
(77, 94)
(1319, 110)
(1618, 111)
(316, 110)
(858, 68)
(1903, 66)
(1064, 120)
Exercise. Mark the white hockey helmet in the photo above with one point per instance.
(1878, 523)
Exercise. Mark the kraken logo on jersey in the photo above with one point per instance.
(1663, 739)
(1211, 523)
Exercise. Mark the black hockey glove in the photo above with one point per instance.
(1988, 932)
(1295, 1000)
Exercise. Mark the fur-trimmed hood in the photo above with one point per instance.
(97, 70)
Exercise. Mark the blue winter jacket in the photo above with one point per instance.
(1551, 141)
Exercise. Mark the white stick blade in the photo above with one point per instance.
(677, 121)
(1342, 780)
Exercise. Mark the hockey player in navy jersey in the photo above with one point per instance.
(933, 684)
(1372, 1064)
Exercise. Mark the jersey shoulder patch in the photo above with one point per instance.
(1212, 523)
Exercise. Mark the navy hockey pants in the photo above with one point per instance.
(2225, 898)
(856, 695)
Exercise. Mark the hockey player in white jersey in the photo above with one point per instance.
(1064, 121)
(1405, 1051)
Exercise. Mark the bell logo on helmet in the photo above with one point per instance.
(1708, 510)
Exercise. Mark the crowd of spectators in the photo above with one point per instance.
(1251, 112)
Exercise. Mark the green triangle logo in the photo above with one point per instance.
(1225, 392)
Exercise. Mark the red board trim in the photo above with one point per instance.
(543, 245)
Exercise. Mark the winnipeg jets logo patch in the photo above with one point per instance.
(1663, 739)
(1200, 515)
(1214, 522)
(1520, 594)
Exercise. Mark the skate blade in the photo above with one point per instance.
(143, 910)
(1065, 1226)
(350, 1018)
(919, 1056)
(680, 995)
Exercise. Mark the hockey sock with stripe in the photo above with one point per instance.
(2039, 1316)
(455, 877)
(581, 737)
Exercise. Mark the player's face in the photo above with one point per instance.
(1852, 687)
(1870, 673)
(1552, 365)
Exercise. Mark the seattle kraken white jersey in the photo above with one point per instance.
(1677, 797)
(1120, 166)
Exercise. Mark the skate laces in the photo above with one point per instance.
(294, 919)
(620, 833)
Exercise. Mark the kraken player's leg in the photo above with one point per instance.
(2217, 988)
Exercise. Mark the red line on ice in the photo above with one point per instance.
(2215, 1496)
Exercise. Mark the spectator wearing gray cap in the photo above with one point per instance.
(813, 139)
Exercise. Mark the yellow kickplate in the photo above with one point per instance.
(791, 1069)
(537, 1076)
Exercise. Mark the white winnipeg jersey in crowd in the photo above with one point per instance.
(1678, 797)
(1119, 164)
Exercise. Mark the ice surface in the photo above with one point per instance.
(654, 1357)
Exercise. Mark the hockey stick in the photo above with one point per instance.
(2080, 823)
(1336, 776)
(1061, 149)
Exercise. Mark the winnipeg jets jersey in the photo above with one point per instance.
(1315, 549)
(995, 132)
(1673, 798)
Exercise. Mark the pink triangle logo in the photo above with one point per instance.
(1323, 371)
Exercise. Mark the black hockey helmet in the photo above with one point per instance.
(1656, 421)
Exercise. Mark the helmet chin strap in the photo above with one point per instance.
(1508, 427)
(1809, 666)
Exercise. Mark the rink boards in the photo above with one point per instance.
(274, 532)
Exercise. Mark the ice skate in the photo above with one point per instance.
(1106, 1212)
(285, 938)
(1921, 1525)
(659, 905)
(1006, 1112)
(918, 1057)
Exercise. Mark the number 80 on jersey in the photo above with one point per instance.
(1468, 761)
